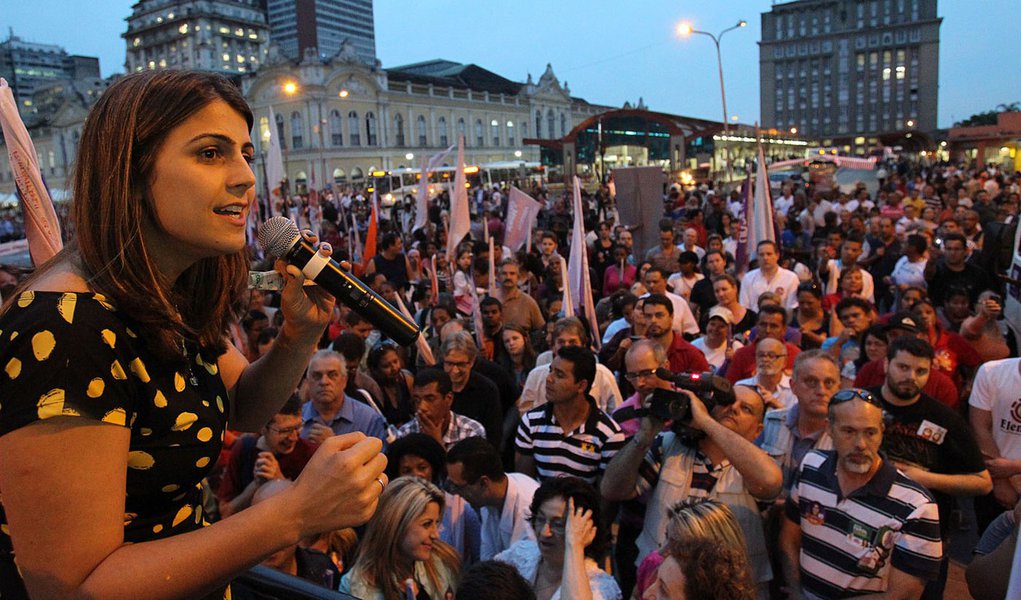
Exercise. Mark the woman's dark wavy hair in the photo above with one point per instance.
(122, 136)
(584, 496)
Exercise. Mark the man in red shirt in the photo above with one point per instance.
(277, 453)
(772, 323)
(682, 356)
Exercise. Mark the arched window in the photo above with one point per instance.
(264, 132)
(442, 125)
(538, 124)
(510, 133)
(370, 128)
(339, 177)
(480, 140)
(494, 131)
(336, 133)
(280, 132)
(353, 131)
(551, 123)
(398, 129)
(356, 174)
(563, 125)
(301, 182)
(524, 129)
(296, 127)
(461, 130)
(420, 127)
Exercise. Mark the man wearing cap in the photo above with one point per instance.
(853, 524)
(682, 356)
(716, 345)
(873, 373)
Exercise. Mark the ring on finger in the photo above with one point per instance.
(382, 484)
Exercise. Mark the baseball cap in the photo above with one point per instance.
(904, 320)
(721, 312)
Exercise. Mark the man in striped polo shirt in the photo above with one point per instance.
(569, 435)
(854, 524)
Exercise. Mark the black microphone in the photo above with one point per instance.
(279, 236)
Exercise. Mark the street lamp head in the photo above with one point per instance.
(684, 29)
(290, 88)
(742, 23)
(343, 93)
(794, 130)
(409, 156)
(517, 154)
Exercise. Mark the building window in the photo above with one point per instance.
(336, 134)
(551, 122)
(538, 124)
(370, 129)
(296, 127)
(480, 139)
(563, 125)
(280, 132)
(510, 133)
(399, 130)
(524, 129)
(353, 128)
(422, 138)
(442, 126)
(462, 130)
(494, 130)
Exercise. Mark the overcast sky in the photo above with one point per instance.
(609, 52)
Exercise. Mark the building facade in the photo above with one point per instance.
(850, 68)
(28, 67)
(341, 117)
(322, 24)
(224, 36)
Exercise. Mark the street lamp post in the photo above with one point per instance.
(687, 29)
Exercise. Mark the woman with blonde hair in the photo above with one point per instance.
(691, 522)
(402, 547)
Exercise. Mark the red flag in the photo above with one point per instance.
(370, 235)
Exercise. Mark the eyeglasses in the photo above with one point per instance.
(286, 431)
(646, 374)
(855, 394)
(557, 526)
(770, 355)
(456, 365)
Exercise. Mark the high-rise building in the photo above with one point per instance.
(850, 68)
(28, 66)
(296, 25)
(225, 36)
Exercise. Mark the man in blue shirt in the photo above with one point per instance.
(329, 411)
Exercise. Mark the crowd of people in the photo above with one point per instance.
(855, 406)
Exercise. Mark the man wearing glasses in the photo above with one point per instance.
(276, 453)
(770, 379)
(723, 465)
(853, 523)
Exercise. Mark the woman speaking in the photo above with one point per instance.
(118, 381)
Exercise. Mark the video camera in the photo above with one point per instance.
(670, 405)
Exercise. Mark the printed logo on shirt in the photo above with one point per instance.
(877, 545)
(813, 512)
(932, 432)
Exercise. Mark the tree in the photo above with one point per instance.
(989, 117)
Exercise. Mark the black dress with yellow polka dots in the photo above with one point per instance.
(73, 354)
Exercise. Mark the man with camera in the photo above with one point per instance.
(703, 456)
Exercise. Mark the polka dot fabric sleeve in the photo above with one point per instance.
(66, 354)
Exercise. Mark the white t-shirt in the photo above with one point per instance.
(783, 204)
(681, 286)
(997, 388)
(906, 272)
(715, 356)
(784, 282)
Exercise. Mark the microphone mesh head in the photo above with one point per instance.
(276, 236)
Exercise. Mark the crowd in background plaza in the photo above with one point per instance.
(872, 418)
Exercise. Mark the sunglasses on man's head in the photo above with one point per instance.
(855, 394)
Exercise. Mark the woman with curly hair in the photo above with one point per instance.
(402, 547)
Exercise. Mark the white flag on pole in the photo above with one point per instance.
(460, 217)
(522, 211)
(275, 173)
(422, 198)
(578, 269)
(760, 224)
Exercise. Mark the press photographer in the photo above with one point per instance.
(723, 465)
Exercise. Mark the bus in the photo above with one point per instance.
(512, 172)
(402, 184)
